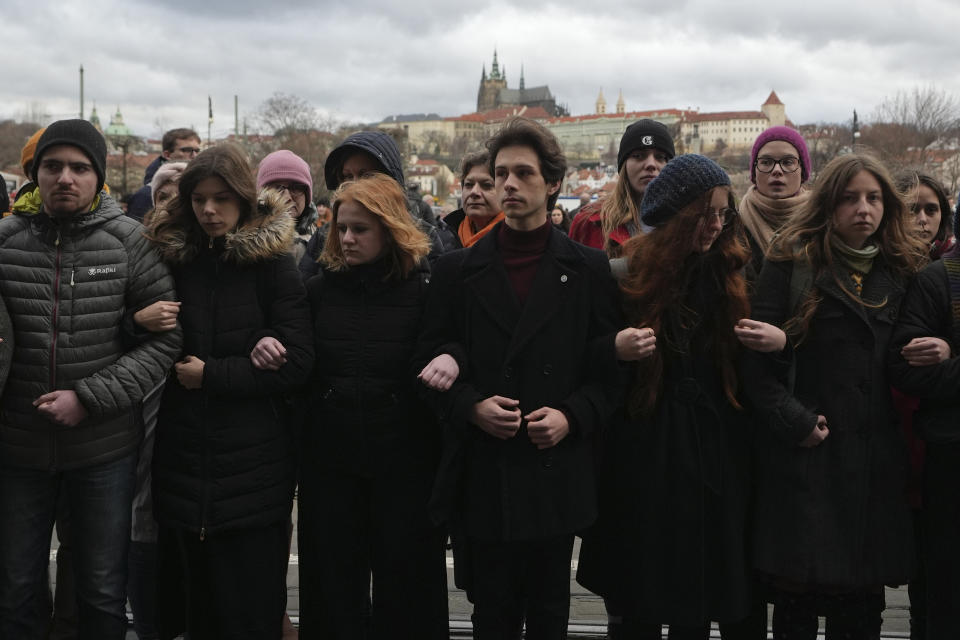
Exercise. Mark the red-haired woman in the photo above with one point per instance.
(370, 447)
(669, 546)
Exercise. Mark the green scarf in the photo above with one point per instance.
(859, 260)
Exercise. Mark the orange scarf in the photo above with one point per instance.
(466, 234)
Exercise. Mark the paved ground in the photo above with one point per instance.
(587, 615)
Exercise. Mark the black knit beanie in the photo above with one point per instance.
(77, 133)
(681, 181)
(645, 134)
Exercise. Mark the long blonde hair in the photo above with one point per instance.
(617, 209)
(381, 196)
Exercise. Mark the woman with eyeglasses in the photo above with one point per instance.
(832, 520)
(669, 546)
(288, 173)
(779, 168)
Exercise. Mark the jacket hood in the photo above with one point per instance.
(264, 235)
(378, 144)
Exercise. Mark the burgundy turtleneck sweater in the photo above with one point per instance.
(522, 252)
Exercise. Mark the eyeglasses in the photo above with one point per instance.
(725, 215)
(292, 189)
(189, 150)
(788, 164)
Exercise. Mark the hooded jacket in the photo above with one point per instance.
(67, 284)
(224, 456)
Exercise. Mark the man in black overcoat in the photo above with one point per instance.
(531, 317)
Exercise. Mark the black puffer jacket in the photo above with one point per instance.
(224, 457)
(67, 285)
(366, 417)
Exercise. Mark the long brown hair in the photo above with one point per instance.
(661, 266)
(226, 161)
(807, 236)
(379, 194)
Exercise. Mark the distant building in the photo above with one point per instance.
(706, 132)
(494, 93)
(589, 138)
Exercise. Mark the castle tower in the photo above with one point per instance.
(775, 110)
(488, 95)
(601, 102)
(621, 105)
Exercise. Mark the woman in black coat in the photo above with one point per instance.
(669, 545)
(224, 466)
(370, 447)
(833, 524)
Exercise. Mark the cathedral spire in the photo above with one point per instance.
(495, 69)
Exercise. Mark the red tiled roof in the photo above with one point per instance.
(630, 115)
(534, 113)
(467, 117)
(426, 161)
(773, 99)
(725, 115)
(607, 188)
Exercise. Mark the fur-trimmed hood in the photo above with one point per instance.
(267, 233)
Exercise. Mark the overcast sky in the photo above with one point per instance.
(362, 60)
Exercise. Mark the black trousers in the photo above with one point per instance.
(521, 582)
(941, 540)
(622, 626)
(849, 616)
(353, 529)
(234, 584)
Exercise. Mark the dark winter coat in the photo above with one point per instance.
(365, 416)
(67, 284)
(505, 490)
(224, 454)
(926, 311)
(670, 544)
(141, 200)
(833, 516)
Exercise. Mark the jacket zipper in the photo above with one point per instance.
(204, 471)
(56, 313)
(53, 342)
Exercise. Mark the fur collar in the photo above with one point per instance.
(267, 233)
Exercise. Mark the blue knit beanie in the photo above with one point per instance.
(681, 181)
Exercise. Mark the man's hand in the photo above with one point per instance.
(268, 354)
(190, 372)
(818, 435)
(62, 407)
(635, 344)
(546, 427)
(159, 316)
(922, 352)
(498, 416)
(440, 373)
(760, 336)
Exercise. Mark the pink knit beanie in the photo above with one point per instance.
(285, 165)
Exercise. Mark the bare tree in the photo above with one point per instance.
(825, 141)
(908, 123)
(35, 113)
(283, 114)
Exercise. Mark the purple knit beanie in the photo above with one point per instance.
(285, 165)
(787, 135)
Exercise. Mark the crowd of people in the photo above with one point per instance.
(733, 402)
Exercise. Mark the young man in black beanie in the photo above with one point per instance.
(646, 146)
(523, 416)
(70, 266)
